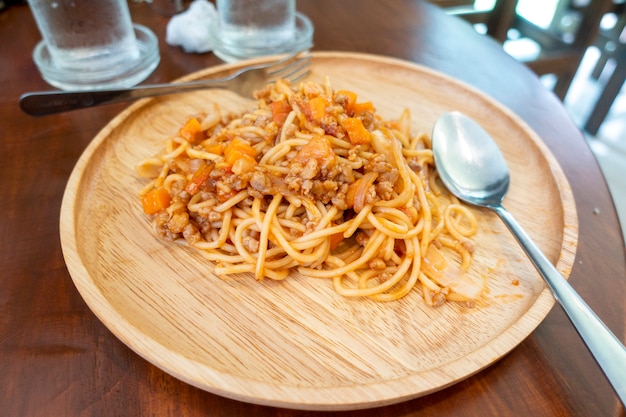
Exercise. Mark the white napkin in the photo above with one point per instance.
(192, 29)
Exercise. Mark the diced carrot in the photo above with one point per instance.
(192, 131)
(156, 200)
(236, 149)
(359, 108)
(348, 98)
(280, 111)
(245, 163)
(357, 133)
(215, 148)
(356, 196)
(317, 148)
(315, 109)
(335, 240)
(199, 177)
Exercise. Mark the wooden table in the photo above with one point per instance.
(57, 359)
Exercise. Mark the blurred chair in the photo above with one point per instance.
(561, 44)
(497, 20)
(611, 42)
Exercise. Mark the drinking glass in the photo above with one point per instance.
(251, 28)
(91, 43)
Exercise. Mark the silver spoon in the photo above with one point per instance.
(470, 164)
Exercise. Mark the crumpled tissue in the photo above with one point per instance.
(192, 29)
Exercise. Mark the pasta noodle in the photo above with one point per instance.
(313, 180)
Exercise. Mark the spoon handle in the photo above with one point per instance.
(606, 348)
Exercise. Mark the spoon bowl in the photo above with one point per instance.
(479, 174)
(472, 167)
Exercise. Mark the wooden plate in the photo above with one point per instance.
(296, 343)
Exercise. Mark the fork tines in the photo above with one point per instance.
(293, 67)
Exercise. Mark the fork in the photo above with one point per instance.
(244, 82)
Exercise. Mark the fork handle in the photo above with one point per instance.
(606, 348)
(43, 103)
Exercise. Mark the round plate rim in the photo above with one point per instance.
(294, 397)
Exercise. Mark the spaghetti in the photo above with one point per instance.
(313, 180)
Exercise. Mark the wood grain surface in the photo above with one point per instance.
(296, 343)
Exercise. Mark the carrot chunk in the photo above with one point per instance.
(243, 164)
(215, 148)
(192, 131)
(156, 200)
(335, 240)
(347, 98)
(359, 108)
(317, 148)
(280, 111)
(239, 156)
(199, 177)
(357, 133)
(316, 109)
(356, 197)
